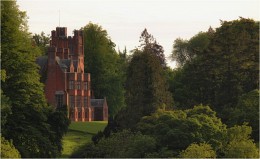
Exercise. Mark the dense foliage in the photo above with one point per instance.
(247, 110)
(202, 150)
(193, 132)
(125, 144)
(219, 68)
(146, 87)
(176, 130)
(221, 72)
(8, 150)
(239, 144)
(184, 51)
(105, 67)
(26, 112)
(151, 46)
(42, 41)
(216, 68)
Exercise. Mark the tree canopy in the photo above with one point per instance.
(146, 87)
(125, 144)
(202, 150)
(27, 123)
(215, 90)
(239, 143)
(105, 66)
(8, 150)
(178, 129)
(223, 71)
(185, 51)
(216, 68)
(42, 41)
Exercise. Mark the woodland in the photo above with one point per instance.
(206, 107)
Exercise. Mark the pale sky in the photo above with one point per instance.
(124, 20)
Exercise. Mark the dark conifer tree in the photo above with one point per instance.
(146, 86)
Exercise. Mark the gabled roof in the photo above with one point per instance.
(42, 62)
(63, 63)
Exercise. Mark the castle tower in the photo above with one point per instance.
(66, 83)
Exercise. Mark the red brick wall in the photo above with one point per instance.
(57, 80)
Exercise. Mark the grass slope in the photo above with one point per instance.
(79, 134)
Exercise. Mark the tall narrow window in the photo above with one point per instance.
(72, 101)
(86, 85)
(59, 100)
(71, 84)
(79, 101)
(85, 101)
(78, 85)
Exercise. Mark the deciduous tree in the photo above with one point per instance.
(105, 66)
(125, 144)
(239, 143)
(177, 129)
(201, 150)
(27, 125)
(42, 41)
(223, 71)
(8, 150)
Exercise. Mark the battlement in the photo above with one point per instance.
(59, 32)
(62, 32)
(78, 33)
(66, 82)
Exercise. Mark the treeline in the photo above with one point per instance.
(221, 69)
(207, 107)
(30, 128)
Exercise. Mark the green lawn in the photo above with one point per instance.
(79, 134)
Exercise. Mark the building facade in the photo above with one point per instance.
(66, 83)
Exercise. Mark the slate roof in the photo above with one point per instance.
(42, 62)
(63, 63)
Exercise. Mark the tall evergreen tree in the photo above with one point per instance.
(146, 87)
(150, 45)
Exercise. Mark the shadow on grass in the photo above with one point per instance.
(79, 152)
(79, 135)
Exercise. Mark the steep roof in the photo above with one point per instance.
(42, 62)
(63, 63)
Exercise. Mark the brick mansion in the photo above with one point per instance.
(66, 83)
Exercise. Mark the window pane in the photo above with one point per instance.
(86, 85)
(59, 100)
(71, 84)
(72, 101)
(79, 101)
(85, 101)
